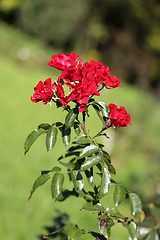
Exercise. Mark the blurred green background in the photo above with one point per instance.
(124, 35)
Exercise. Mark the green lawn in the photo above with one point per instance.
(135, 149)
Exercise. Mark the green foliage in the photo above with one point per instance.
(86, 160)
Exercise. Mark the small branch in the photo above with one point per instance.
(104, 128)
(83, 125)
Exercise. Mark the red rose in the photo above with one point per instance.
(64, 61)
(112, 81)
(119, 117)
(43, 91)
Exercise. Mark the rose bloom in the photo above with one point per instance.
(64, 61)
(100, 73)
(43, 91)
(119, 117)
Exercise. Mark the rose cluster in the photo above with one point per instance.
(84, 80)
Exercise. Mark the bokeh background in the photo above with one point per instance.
(125, 35)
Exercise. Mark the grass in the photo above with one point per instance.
(135, 149)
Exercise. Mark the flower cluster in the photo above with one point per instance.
(84, 80)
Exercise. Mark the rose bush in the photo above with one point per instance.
(86, 156)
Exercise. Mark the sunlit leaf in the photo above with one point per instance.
(135, 204)
(57, 184)
(104, 109)
(77, 180)
(77, 128)
(70, 118)
(90, 162)
(66, 135)
(113, 213)
(89, 175)
(51, 138)
(105, 183)
(39, 182)
(89, 150)
(133, 230)
(141, 216)
(119, 194)
(93, 207)
(32, 138)
(83, 139)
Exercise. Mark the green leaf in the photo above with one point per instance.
(77, 180)
(90, 162)
(105, 225)
(89, 150)
(66, 135)
(107, 160)
(135, 204)
(133, 230)
(105, 183)
(114, 213)
(89, 175)
(71, 117)
(69, 165)
(73, 232)
(32, 138)
(55, 169)
(44, 126)
(39, 182)
(107, 157)
(77, 128)
(69, 154)
(83, 139)
(141, 217)
(65, 194)
(93, 207)
(105, 110)
(57, 184)
(51, 138)
(74, 148)
(119, 194)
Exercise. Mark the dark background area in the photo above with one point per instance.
(123, 34)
